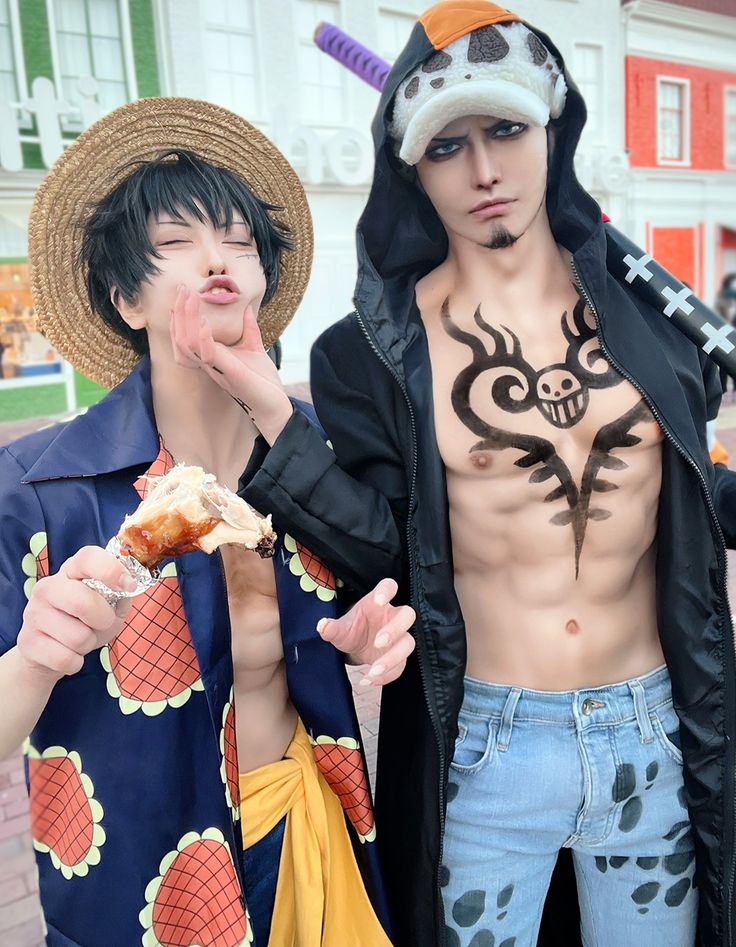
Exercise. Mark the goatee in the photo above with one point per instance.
(500, 238)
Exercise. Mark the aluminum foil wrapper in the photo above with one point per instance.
(145, 578)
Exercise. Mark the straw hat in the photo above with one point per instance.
(98, 161)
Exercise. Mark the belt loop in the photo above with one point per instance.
(641, 711)
(507, 719)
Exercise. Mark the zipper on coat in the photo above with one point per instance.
(412, 590)
(723, 549)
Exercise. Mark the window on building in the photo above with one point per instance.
(231, 56)
(729, 132)
(89, 42)
(9, 85)
(588, 72)
(321, 89)
(394, 27)
(673, 121)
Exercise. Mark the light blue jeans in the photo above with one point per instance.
(598, 771)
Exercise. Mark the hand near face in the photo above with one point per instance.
(374, 632)
(243, 370)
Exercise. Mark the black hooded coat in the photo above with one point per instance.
(384, 511)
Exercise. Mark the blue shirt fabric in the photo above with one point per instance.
(132, 766)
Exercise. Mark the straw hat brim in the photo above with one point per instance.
(103, 156)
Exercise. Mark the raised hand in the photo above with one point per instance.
(374, 632)
(65, 620)
(243, 370)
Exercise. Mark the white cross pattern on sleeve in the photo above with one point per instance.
(677, 301)
(638, 268)
(717, 338)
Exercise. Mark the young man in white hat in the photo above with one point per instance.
(206, 715)
(528, 437)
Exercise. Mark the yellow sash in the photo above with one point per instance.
(320, 897)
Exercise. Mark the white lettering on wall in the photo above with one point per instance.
(345, 156)
(47, 109)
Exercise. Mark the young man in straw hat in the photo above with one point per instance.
(527, 438)
(206, 715)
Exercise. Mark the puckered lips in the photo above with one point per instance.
(219, 290)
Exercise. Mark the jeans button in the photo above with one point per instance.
(588, 706)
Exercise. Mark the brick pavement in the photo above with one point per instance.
(20, 918)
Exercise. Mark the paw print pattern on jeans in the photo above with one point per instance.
(676, 864)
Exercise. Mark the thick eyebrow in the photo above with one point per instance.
(444, 141)
(459, 139)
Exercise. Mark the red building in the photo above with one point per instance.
(681, 135)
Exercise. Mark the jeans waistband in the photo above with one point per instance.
(608, 704)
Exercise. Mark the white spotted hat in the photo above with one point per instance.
(503, 70)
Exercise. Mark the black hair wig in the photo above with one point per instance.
(116, 249)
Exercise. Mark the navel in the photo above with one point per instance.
(572, 627)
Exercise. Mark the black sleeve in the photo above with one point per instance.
(346, 504)
(724, 500)
(712, 382)
(724, 484)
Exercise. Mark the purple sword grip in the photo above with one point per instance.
(351, 54)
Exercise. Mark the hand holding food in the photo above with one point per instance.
(185, 510)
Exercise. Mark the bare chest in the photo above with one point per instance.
(254, 613)
(509, 401)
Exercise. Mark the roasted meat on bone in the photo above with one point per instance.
(188, 509)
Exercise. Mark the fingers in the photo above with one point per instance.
(391, 663)
(49, 656)
(65, 620)
(401, 620)
(206, 343)
(183, 328)
(65, 594)
(370, 625)
(93, 562)
(72, 633)
(191, 321)
(340, 632)
(384, 592)
(252, 340)
(394, 644)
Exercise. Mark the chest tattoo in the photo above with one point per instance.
(561, 394)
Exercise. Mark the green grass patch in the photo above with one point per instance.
(40, 401)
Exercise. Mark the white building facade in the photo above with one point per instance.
(258, 58)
